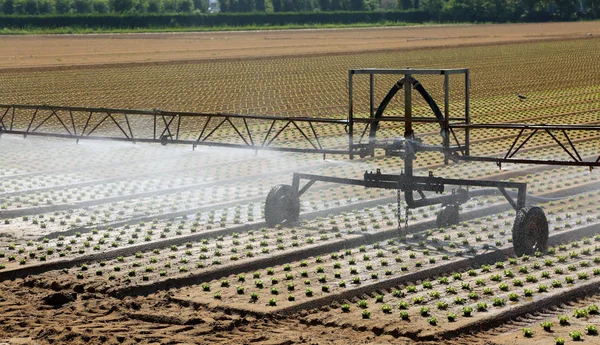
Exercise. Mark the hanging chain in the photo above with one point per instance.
(399, 214)
(406, 219)
(401, 232)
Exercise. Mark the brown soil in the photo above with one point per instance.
(67, 50)
(96, 319)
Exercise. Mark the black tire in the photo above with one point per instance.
(282, 206)
(530, 231)
(447, 216)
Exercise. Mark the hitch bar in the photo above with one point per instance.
(420, 184)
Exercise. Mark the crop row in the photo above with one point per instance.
(273, 86)
(386, 260)
(130, 235)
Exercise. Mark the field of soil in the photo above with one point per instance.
(137, 243)
(69, 50)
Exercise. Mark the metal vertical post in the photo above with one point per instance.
(371, 94)
(12, 119)
(350, 115)
(408, 130)
(467, 116)
(445, 130)
(371, 100)
(521, 197)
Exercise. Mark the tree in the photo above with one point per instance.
(564, 8)
(245, 5)
(277, 5)
(234, 5)
(45, 6)
(336, 5)
(122, 6)
(433, 7)
(404, 4)
(303, 6)
(170, 6)
(100, 6)
(28, 7)
(8, 7)
(186, 6)
(594, 8)
(64, 6)
(82, 6)
(530, 5)
(141, 6)
(288, 5)
(357, 5)
(201, 5)
(325, 5)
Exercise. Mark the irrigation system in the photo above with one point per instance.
(367, 126)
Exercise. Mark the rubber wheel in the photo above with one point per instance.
(282, 206)
(447, 216)
(530, 231)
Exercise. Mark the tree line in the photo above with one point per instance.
(435, 10)
(49, 7)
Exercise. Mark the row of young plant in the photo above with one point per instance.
(145, 176)
(108, 173)
(204, 255)
(434, 248)
(104, 242)
(190, 180)
(503, 108)
(383, 217)
(561, 214)
(268, 165)
(249, 198)
(117, 211)
(474, 293)
(97, 241)
(43, 157)
(207, 254)
(521, 276)
(585, 315)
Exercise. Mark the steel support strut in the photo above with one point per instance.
(409, 184)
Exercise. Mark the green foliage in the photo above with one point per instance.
(129, 14)
(547, 326)
(575, 335)
(579, 313)
(563, 320)
(528, 332)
